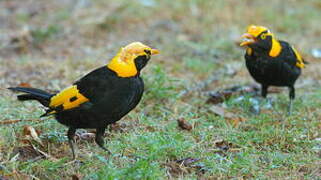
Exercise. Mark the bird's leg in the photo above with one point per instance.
(71, 134)
(292, 96)
(264, 90)
(99, 138)
(262, 101)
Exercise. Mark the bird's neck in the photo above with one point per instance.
(275, 48)
(273, 51)
(122, 68)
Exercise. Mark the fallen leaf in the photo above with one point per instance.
(182, 123)
(218, 97)
(150, 128)
(220, 111)
(29, 131)
(23, 84)
(230, 117)
(184, 166)
(225, 146)
(222, 145)
(235, 121)
(75, 177)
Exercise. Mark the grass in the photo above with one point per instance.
(197, 41)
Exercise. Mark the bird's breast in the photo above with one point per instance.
(124, 98)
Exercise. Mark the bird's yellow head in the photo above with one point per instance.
(131, 59)
(260, 37)
(256, 34)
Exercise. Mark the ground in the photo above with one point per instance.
(50, 44)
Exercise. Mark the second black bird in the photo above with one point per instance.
(271, 62)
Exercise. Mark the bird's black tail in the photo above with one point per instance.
(33, 94)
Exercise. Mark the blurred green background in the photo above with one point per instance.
(50, 44)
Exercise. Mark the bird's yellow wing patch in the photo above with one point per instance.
(68, 98)
(299, 58)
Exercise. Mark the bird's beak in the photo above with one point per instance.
(154, 51)
(247, 39)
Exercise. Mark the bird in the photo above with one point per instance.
(270, 61)
(99, 98)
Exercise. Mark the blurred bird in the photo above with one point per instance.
(271, 62)
(101, 97)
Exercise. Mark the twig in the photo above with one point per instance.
(42, 153)
(9, 121)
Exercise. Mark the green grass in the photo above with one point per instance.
(197, 40)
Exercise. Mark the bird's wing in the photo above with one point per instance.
(292, 56)
(299, 59)
(96, 83)
(81, 94)
(66, 99)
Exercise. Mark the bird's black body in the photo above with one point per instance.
(111, 98)
(273, 71)
(271, 62)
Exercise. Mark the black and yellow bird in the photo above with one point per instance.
(271, 62)
(101, 97)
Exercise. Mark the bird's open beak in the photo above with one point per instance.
(247, 39)
(154, 51)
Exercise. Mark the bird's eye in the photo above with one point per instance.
(147, 51)
(263, 36)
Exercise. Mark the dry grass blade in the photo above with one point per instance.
(184, 166)
(187, 161)
(43, 153)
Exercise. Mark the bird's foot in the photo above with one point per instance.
(267, 103)
(73, 149)
(290, 107)
(105, 149)
(257, 104)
